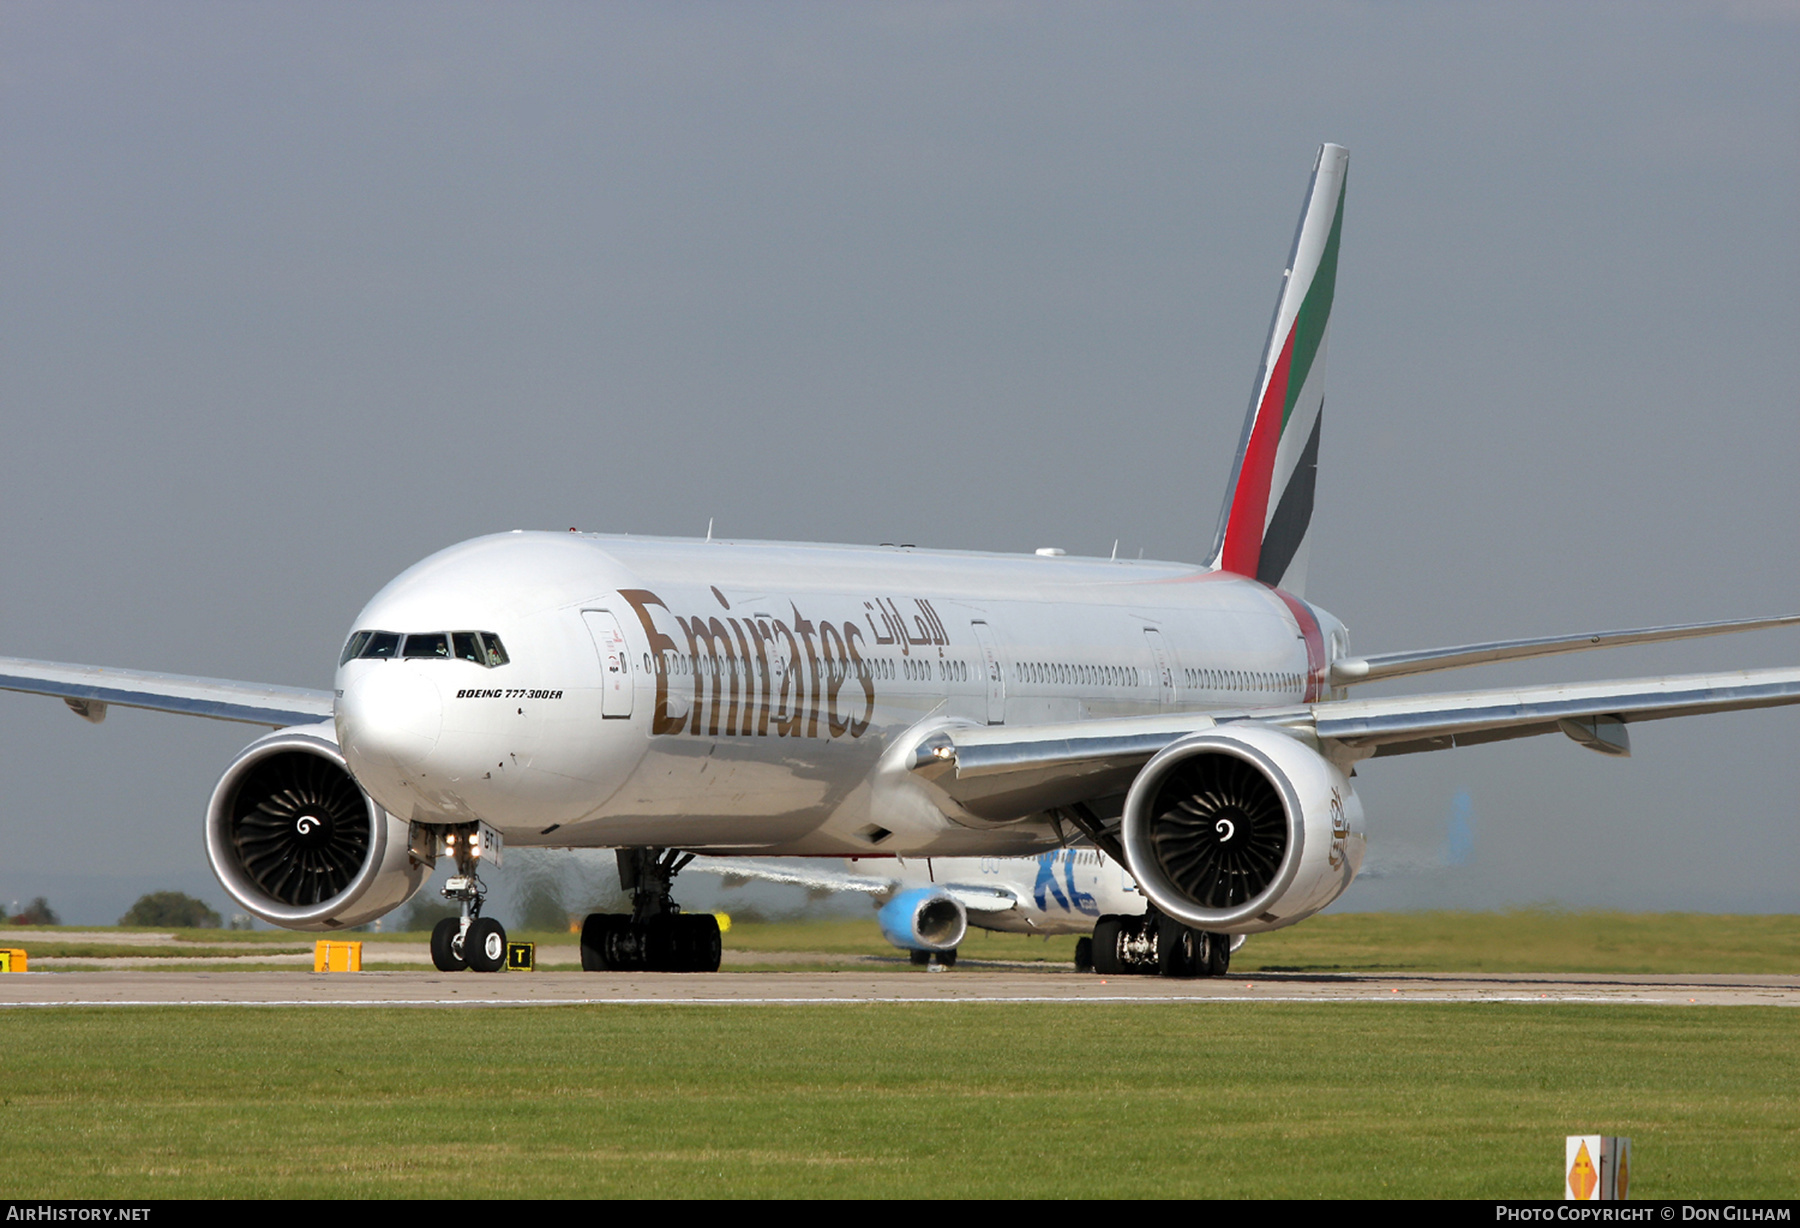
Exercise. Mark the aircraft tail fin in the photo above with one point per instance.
(1266, 523)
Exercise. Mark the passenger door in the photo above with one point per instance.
(615, 663)
(996, 676)
(1165, 666)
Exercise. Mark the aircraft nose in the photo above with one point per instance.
(389, 719)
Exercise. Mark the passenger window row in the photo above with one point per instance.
(1080, 675)
(1243, 680)
(480, 647)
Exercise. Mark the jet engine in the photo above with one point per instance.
(1241, 829)
(923, 919)
(297, 842)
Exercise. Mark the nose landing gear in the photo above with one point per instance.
(471, 941)
(655, 936)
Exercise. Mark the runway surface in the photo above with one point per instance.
(135, 988)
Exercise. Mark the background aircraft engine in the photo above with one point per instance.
(923, 919)
(1242, 829)
(297, 842)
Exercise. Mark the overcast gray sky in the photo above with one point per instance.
(291, 296)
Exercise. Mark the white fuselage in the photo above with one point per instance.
(731, 697)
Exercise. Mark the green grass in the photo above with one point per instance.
(1534, 940)
(937, 1100)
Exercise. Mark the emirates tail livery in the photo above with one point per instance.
(667, 698)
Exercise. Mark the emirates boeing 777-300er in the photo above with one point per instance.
(668, 698)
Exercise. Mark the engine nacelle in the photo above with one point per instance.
(1241, 829)
(923, 919)
(297, 842)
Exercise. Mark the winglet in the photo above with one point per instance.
(1263, 528)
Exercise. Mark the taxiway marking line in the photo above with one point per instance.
(1108, 1000)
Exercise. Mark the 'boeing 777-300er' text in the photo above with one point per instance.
(668, 698)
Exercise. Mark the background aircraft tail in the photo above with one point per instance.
(1267, 519)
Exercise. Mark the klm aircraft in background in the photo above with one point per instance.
(667, 698)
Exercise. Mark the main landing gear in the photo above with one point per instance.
(470, 941)
(934, 959)
(655, 936)
(1152, 944)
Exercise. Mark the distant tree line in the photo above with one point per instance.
(38, 912)
(172, 910)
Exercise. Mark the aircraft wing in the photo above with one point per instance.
(1004, 771)
(982, 898)
(817, 878)
(1407, 724)
(1347, 671)
(90, 689)
(824, 878)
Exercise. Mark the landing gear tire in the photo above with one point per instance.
(672, 942)
(920, 958)
(596, 941)
(446, 950)
(1176, 948)
(1084, 955)
(1106, 946)
(485, 945)
(945, 959)
(700, 947)
(1218, 954)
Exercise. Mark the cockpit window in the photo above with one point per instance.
(381, 644)
(476, 647)
(354, 646)
(427, 644)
